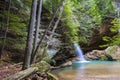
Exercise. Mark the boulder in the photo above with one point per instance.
(42, 66)
(94, 55)
(113, 51)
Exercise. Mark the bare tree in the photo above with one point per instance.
(57, 22)
(29, 43)
(54, 28)
(37, 31)
(61, 4)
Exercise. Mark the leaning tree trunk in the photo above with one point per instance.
(57, 22)
(39, 43)
(55, 26)
(33, 57)
(28, 50)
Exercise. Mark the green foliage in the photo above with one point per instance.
(81, 17)
(47, 5)
(69, 20)
(51, 5)
(18, 28)
(90, 14)
(106, 38)
(88, 18)
(116, 25)
(94, 11)
(115, 40)
(106, 9)
(49, 60)
(18, 21)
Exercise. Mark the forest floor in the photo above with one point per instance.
(7, 69)
(10, 66)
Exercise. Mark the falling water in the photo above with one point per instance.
(79, 52)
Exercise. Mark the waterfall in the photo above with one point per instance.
(79, 52)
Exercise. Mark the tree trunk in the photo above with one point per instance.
(57, 22)
(37, 31)
(28, 50)
(55, 26)
(39, 43)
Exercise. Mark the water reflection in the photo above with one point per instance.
(95, 69)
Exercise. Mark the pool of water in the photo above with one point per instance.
(91, 70)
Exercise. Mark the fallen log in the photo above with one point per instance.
(22, 74)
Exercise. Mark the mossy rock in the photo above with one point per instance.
(42, 66)
(111, 49)
(103, 57)
(106, 57)
(113, 52)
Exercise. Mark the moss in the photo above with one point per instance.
(109, 57)
(42, 66)
(103, 57)
(112, 50)
(0, 62)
